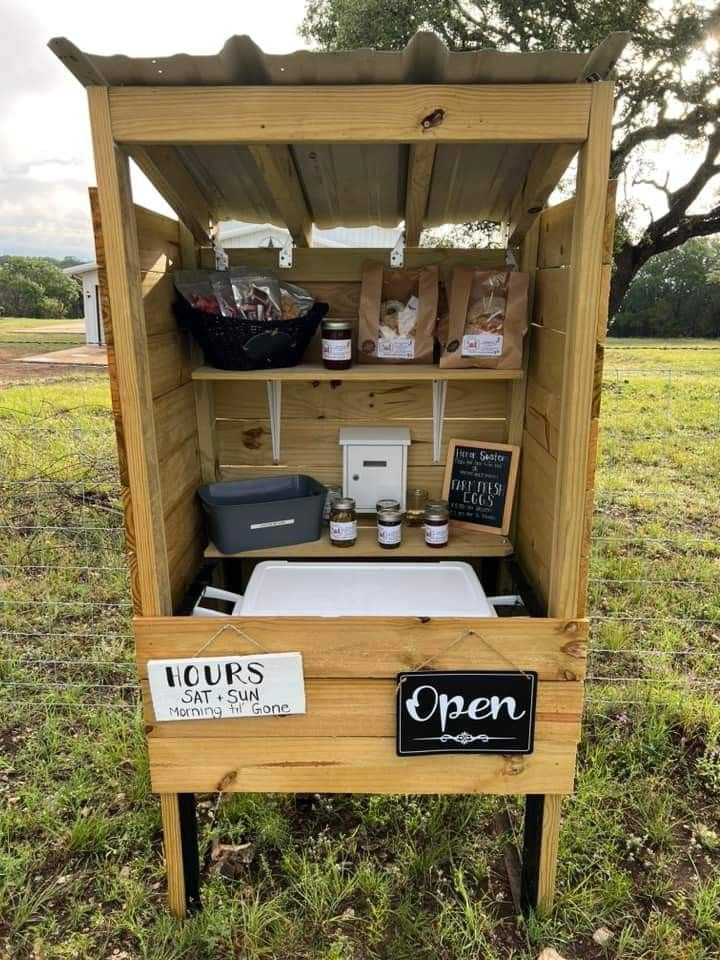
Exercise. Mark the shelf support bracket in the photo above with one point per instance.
(274, 396)
(439, 396)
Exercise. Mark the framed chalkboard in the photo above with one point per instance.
(479, 484)
(465, 711)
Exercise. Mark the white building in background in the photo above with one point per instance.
(233, 235)
(87, 273)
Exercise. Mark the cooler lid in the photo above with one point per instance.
(281, 588)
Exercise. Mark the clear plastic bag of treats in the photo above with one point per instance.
(487, 319)
(257, 295)
(398, 314)
(294, 301)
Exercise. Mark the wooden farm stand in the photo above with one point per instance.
(433, 137)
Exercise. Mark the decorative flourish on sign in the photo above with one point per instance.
(463, 738)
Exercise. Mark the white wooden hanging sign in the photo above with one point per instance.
(221, 688)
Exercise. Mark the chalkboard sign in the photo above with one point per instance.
(479, 484)
(472, 711)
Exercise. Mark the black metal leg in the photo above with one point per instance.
(531, 852)
(190, 851)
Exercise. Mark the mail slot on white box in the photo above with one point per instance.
(374, 464)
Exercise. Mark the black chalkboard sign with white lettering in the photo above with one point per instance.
(479, 484)
(471, 711)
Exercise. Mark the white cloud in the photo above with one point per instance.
(45, 152)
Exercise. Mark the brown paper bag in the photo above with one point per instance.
(398, 314)
(487, 319)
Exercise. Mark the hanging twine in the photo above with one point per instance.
(229, 626)
(455, 642)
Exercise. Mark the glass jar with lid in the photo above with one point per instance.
(337, 344)
(436, 523)
(343, 523)
(387, 503)
(415, 510)
(389, 528)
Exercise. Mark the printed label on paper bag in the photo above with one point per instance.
(337, 349)
(399, 349)
(482, 345)
(345, 530)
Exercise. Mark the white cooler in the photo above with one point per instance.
(281, 588)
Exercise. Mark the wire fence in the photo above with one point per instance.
(654, 601)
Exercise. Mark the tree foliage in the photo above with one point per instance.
(37, 287)
(668, 85)
(676, 294)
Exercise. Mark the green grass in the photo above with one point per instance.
(367, 877)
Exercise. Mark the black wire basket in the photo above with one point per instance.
(231, 343)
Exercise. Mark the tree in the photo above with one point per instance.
(668, 86)
(676, 294)
(36, 287)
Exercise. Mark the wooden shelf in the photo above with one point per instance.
(463, 543)
(361, 372)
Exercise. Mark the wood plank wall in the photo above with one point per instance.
(173, 401)
(538, 470)
(312, 413)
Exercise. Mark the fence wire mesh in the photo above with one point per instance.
(654, 599)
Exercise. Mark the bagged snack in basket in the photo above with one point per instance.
(257, 295)
(398, 314)
(222, 288)
(487, 319)
(195, 287)
(294, 301)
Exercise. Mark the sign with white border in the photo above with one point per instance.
(222, 688)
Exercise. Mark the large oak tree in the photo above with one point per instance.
(668, 87)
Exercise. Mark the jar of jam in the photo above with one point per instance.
(436, 523)
(415, 512)
(337, 344)
(343, 523)
(387, 503)
(389, 528)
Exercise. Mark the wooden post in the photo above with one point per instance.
(152, 583)
(584, 299)
(172, 839)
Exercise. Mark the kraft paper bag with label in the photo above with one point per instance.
(398, 314)
(487, 320)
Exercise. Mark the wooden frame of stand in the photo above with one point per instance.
(176, 427)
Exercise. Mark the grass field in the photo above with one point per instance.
(366, 877)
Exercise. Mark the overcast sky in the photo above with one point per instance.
(45, 152)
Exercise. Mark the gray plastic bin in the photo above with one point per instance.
(264, 512)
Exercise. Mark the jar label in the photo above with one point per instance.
(482, 345)
(437, 534)
(389, 535)
(401, 348)
(343, 530)
(337, 349)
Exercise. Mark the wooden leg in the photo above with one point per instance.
(181, 852)
(540, 845)
(548, 852)
(172, 837)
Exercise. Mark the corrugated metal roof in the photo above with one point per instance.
(353, 185)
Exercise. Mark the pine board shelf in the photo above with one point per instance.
(360, 373)
(463, 543)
